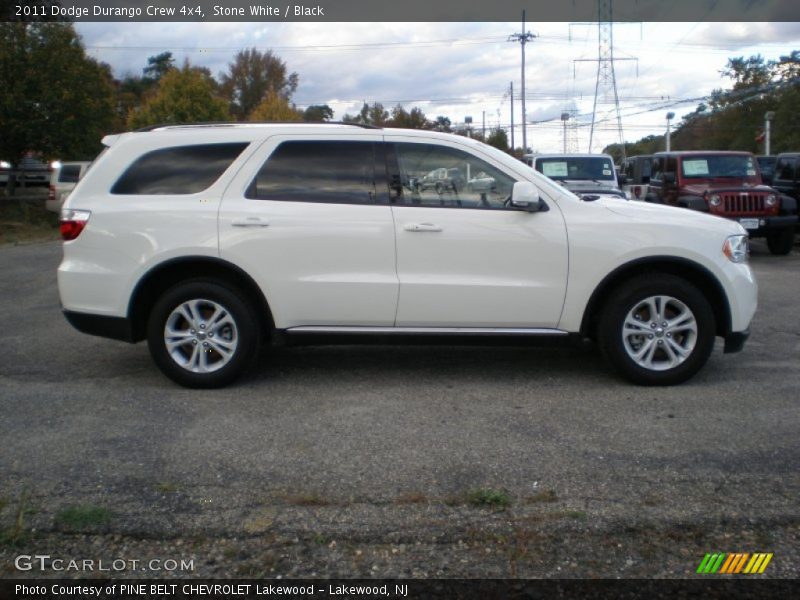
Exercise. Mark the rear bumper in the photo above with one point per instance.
(115, 328)
(734, 342)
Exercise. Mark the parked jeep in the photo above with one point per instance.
(785, 177)
(766, 164)
(725, 184)
(634, 178)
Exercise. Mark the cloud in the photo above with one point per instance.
(736, 36)
(464, 69)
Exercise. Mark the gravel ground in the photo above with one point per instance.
(394, 461)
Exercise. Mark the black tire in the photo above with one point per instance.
(780, 242)
(240, 330)
(629, 298)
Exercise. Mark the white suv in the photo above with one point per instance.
(209, 240)
(63, 179)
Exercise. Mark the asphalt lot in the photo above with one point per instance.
(359, 461)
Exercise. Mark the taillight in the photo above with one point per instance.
(72, 223)
(51, 195)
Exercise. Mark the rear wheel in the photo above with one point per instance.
(657, 330)
(202, 334)
(780, 242)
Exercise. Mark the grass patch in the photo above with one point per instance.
(167, 487)
(579, 515)
(83, 517)
(411, 498)
(26, 221)
(307, 500)
(490, 498)
(16, 534)
(543, 496)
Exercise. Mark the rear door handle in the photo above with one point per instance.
(421, 227)
(250, 222)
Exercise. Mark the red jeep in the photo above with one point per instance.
(725, 184)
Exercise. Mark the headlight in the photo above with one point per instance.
(736, 248)
(772, 200)
(714, 200)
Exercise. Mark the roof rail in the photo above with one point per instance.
(235, 123)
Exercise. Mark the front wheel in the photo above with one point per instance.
(780, 242)
(202, 334)
(657, 330)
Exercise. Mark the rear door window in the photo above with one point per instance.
(333, 172)
(178, 170)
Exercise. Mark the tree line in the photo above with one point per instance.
(734, 118)
(56, 101)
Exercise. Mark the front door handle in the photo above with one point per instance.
(421, 227)
(250, 222)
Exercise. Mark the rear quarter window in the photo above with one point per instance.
(178, 170)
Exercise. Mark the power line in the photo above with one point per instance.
(319, 47)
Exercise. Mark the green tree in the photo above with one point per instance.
(275, 108)
(251, 77)
(786, 126)
(185, 95)
(499, 139)
(442, 123)
(157, 67)
(646, 145)
(413, 119)
(132, 89)
(374, 114)
(318, 113)
(54, 99)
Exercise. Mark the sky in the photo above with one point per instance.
(462, 70)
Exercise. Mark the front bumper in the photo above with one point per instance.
(765, 224)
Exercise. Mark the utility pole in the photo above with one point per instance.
(667, 144)
(512, 116)
(564, 119)
(523, 38)
(768, 117)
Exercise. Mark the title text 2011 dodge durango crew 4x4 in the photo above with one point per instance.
(209, 240)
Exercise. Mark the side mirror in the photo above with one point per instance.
(669, 178)
(623, 179)
(525, 196)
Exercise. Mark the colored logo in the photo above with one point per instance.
(738, 562)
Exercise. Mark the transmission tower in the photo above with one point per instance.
(605, 90)
(572, 131)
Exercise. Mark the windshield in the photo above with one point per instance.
(718, 166)
(588, 168)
